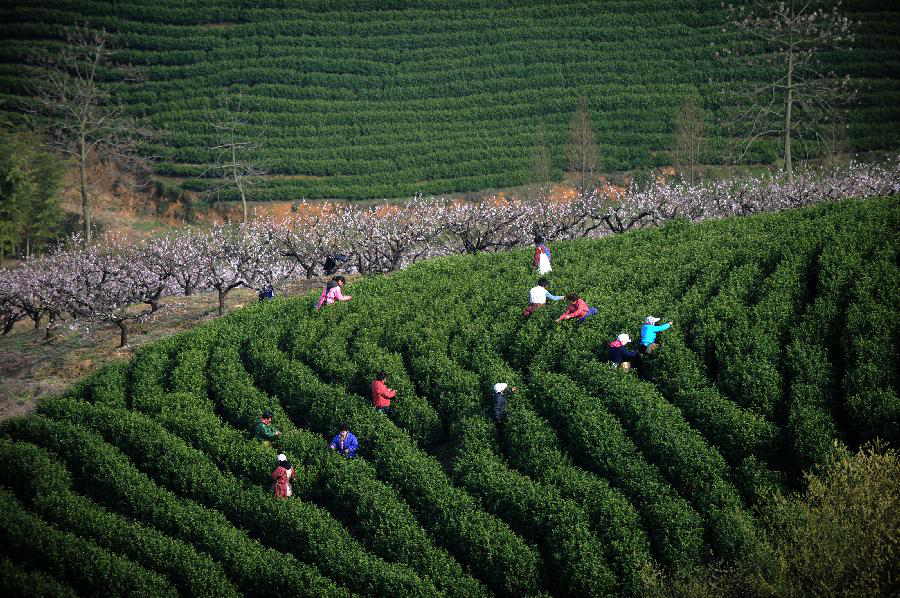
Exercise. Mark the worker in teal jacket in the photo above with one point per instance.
(649, 331)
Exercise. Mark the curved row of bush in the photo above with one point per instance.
(109, 478)
(295, 527)
(484, 544)
(45, 486)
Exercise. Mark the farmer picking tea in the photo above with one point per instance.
(282, 476)
(541, 259)
(264, 430)
(648, 333)
(344, 442)
(332, 292)
(500, 400)
(381, 394)
(577, 308)
(620, 354)
(537, 297)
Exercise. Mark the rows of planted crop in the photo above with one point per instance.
(296, 527)
(108, 477)
(393, 75)
(425, 357)
(457, 396)
(871, 382)
(483, 543)
(380, 519)
(45, 486)
(596, 482)
(378, 516)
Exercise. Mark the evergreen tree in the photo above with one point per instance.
(30, 180)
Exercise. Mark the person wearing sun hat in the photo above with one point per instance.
(282, 476)
(500, 400)
(649, 331)
(620, 354)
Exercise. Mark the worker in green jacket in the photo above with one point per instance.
(265, 431)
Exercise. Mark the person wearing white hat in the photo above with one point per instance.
(649, 331)
(620, 354)
(500, 400)
(282, 476)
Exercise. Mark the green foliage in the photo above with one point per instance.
(673, 479)
(367, 100)
(30, 183)
(88, 568)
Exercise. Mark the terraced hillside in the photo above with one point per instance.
(387, 99)
(144, 477)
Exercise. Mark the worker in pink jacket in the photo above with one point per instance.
(577, 308)
(332, 292)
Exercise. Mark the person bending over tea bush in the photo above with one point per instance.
(541, 260)
(620, 354)
(500, 400)
(648, 333)
(577, 308)
(332, 292)
(345, 442)
(381, 394)
(537, 297)
(282, 476)
(264, 430)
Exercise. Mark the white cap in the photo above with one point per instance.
(624, 338)
(651, 320)
(282, 457)
(500, 386)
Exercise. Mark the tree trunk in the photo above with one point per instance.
(222, 294)
(85, 198)
(237, 179)
(123, 336)
(188, 290)
(789, 100)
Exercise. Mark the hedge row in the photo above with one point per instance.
(598, 442)
(871, 382)
(575, 559)
(45, 486)
(290, 526)
(484, 544)
(87, 568)
(103, 472)
(19, 581)
(374, 510)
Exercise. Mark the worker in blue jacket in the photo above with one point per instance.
(344, 442)
(648, 333)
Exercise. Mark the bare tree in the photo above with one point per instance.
(789, 37)
(690, 128)
(84, 121)
(581, 151)
(236, 151)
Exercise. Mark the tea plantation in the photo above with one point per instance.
(366, 99)
(144, 479)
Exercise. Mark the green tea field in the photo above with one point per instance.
(144, 479)
(364, 99)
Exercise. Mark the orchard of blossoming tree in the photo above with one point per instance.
(103, 283)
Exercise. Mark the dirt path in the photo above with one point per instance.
(32, 368)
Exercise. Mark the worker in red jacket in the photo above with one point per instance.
(381, 394)
(577, 308)
(282, 476)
